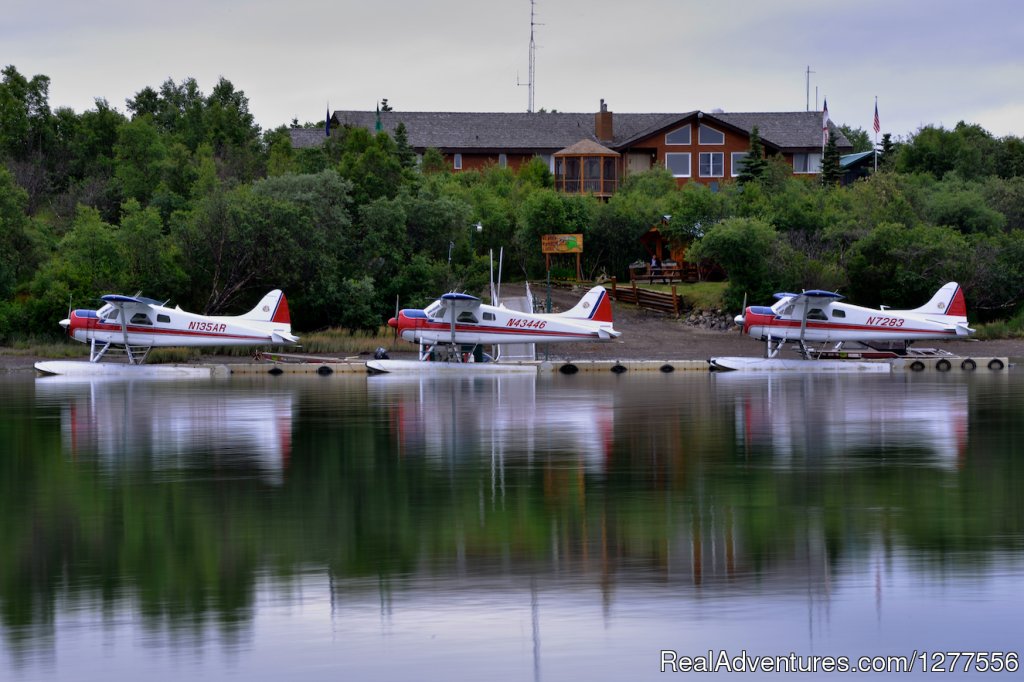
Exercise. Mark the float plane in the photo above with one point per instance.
(817, 316)
(449, 325)
(134, 325)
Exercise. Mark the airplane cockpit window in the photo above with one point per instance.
(111, 315)
(141, 318)
(434, 311)
(466, 316)
(789, 310)
(166, 319)
(489, 317)
(816, 314)
(838, 313)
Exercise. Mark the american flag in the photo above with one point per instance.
(877, 124)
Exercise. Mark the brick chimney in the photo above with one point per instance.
(603, 123)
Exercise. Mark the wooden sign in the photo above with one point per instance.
(561, 243)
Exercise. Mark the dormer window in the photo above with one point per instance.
(708, 135)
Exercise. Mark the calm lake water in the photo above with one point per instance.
(506, 528)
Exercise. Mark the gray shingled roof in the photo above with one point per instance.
(550, 132)
(788, 129)
(465, 130)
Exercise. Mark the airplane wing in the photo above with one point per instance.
(811, 296)
(118, 299)
(461, 301)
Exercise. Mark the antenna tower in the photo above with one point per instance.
(533, 59)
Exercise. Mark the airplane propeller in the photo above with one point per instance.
(394, 336)
(741, 319)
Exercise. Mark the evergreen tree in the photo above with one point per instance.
(406, 154)
(887, 154)
(830, 171)
(754, 165)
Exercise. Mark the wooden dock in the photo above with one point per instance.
(351, 367)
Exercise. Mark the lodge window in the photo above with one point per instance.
(736, 162)
(457, 161)
(708, 135)
(166, 319)
(711, 164)
(678, 163)
(502, 160)
(141, 318)
(807, 163)
(678, 136)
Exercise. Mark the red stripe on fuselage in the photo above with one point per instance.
(510, 331)
(756, 320)
(93, 325)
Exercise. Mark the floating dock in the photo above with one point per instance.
(356, 367)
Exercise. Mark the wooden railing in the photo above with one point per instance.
(668, 303)
(669, 272)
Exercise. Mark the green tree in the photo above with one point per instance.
(960, 205)
(968, 149)
(406, 154)
(752, 254)
(858, 137)
(140, 156)
(887, 152)
(24, 114)
(433, 161)
(693, 210)
(754, 164)
(830, 171)
(17, 259)
(152, 258)
(536, 174)
(239, 241)
(902, 266)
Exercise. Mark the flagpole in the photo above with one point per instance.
(875, 125)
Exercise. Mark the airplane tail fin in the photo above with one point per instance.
(949, 300)
(595, 305)
(272, 308)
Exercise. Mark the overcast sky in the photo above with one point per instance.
(927, 61)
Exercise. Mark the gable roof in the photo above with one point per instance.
(551, 132)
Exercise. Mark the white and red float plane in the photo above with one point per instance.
(818, 317)
(135, 325)
(455, 321)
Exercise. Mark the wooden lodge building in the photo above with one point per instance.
(592, 153)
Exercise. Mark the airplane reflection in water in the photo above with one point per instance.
(166, 425)
(826, 417)
(500, 414)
